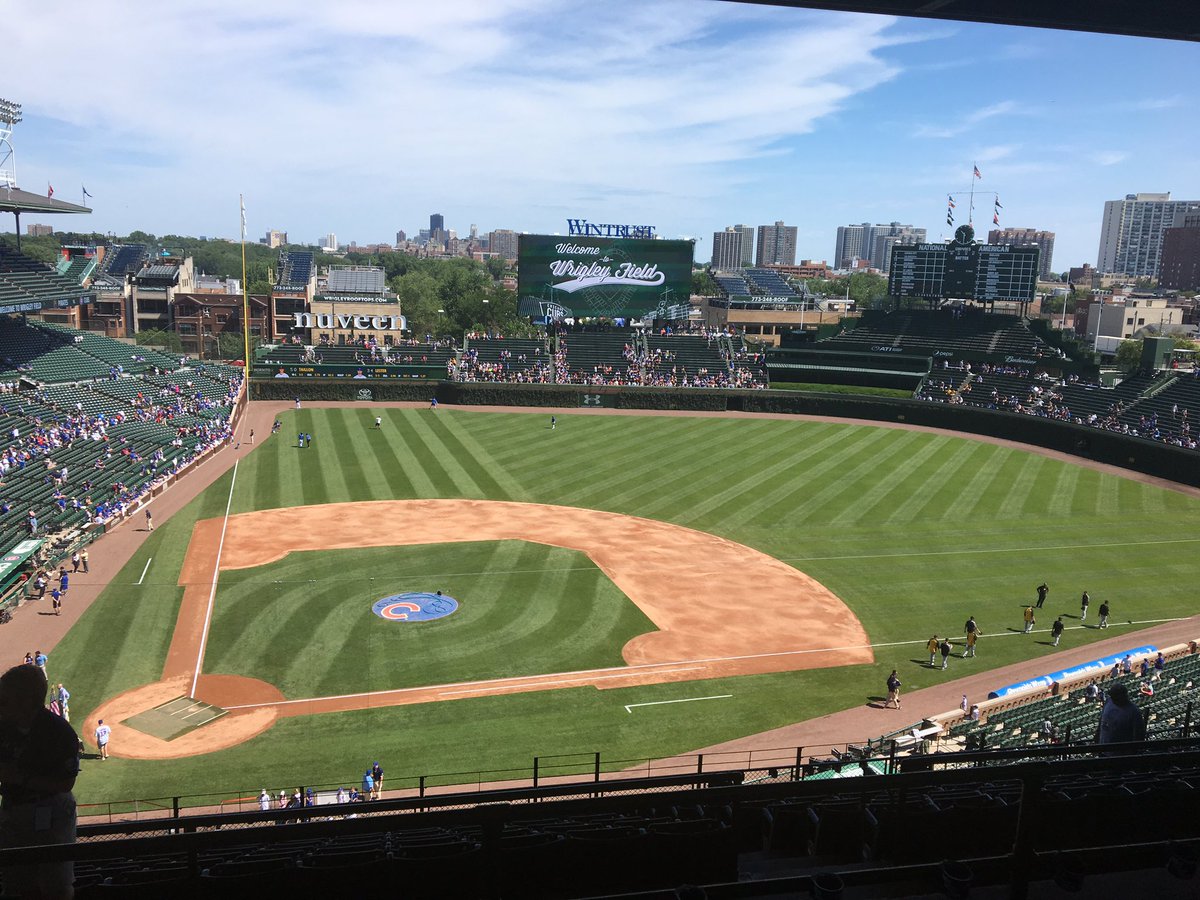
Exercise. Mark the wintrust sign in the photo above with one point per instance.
(359, 323)
(585, 228)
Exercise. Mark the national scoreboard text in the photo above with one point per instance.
(587, 277)
(986, 272)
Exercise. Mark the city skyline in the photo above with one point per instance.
(644, 115)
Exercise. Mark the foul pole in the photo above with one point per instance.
(245, 300)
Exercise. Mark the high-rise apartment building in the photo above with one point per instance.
(731, 248)
(275, 238)
(873, 243)
(436, 222)
(39, 230)
(853, 242)
(329, 242)
(1132, 231)
(1180, 268)
(747, 244)
(503, 242)
(401, 237)
(776, 245)
(885, 237)
(1028, 237)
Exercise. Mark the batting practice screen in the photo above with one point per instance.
(984, 272)
(584, 277)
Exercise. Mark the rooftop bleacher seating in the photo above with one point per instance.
(769, 282)
(25, 280)
(295, 268)
(124, 259)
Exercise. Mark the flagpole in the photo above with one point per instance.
(245, 299)
(971, 208)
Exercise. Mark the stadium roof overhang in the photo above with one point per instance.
(16, 201)
(1170, 19)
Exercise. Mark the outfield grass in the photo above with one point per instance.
(914, 531)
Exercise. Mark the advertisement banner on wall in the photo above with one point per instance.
(601, 277)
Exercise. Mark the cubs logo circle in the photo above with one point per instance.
(414, 606)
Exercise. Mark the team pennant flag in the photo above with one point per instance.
(995, 218)
(85, 191)
(949, 220)
(950, 200)
(977, 175)
(49, 189)
(998, 204)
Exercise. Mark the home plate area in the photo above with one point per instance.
(174, 718)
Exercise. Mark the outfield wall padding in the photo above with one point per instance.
(1140, 455)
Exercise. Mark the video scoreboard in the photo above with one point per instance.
(964, 270)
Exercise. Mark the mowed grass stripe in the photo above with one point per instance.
(963, 507)
(625, 484)
(862, 462)
(452, 463)
(1019, 489)
(879, 494)
(1108, 496)
(923, 492)
(725, 462)
(427, 476)
(1061, 498)
(601, 448)
(385, 475)
(727, 508)
(343, 477)
(590, 474)
(493, 475)
(260, 486)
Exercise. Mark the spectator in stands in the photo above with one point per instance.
(377, 775)
(1160, 663)
(264, 801)
(1127, 664)
(1121, 720)
(368, 786)
(39, 761)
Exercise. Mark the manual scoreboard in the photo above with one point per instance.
(964, 270)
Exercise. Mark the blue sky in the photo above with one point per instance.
(362, 118)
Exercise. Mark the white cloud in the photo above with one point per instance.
(1108, 157)
(480, 104)
(965, 123)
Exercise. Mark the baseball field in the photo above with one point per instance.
(597, 569)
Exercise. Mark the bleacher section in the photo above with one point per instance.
(124, 259)
(73, 452)
(733, 284)
(1074, 717)
(684, 360)
(768, 282)
(598, 357)
(24, 280)
(397, 361)
(972, 335)
(295, 268)
(521, 360)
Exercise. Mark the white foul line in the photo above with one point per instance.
(212, 594)
(629, 707)
(493, 689)
(145, 570)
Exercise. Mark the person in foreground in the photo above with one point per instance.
(1121, 721)
(39, 760)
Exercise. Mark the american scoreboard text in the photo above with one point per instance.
(986, 272)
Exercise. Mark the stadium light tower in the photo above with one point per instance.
(10, 115)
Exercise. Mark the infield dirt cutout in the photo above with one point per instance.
(721, 608)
